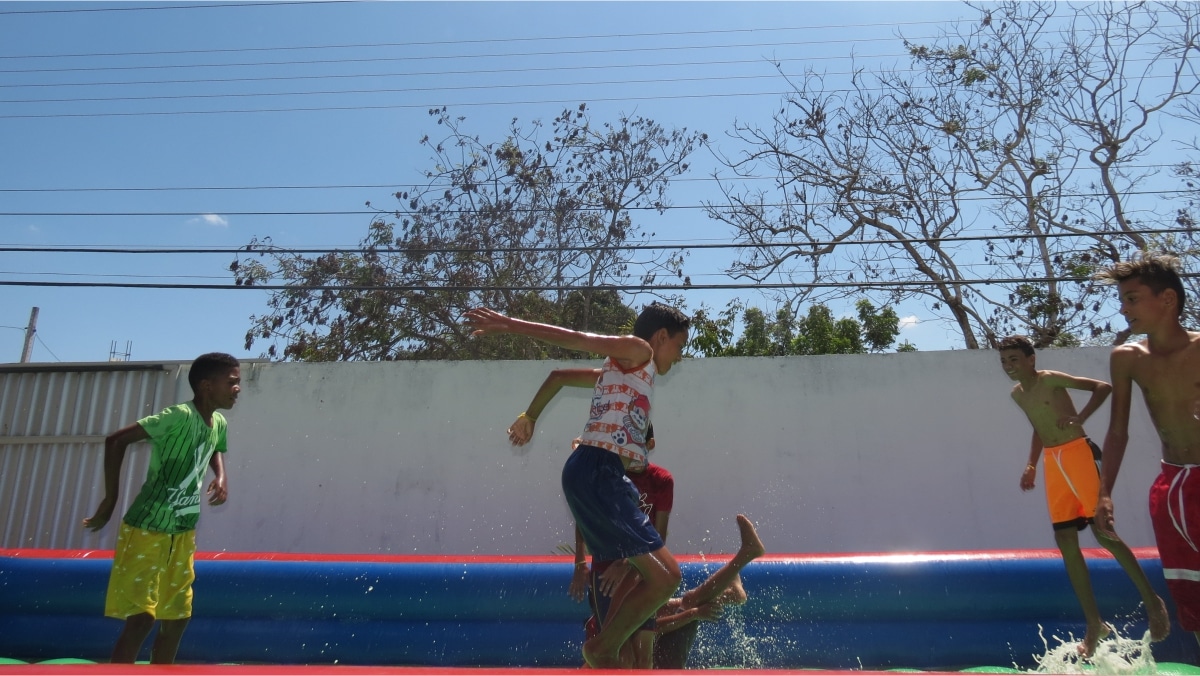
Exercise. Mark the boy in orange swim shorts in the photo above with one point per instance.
(1072, 479)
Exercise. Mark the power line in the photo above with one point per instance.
(39, 339)
(406, 90)
(433, 43)
(522, 210)
(400, 106)
(422, 186)
(165, 7)
(629, 288)
(264, 249)
(438, 57)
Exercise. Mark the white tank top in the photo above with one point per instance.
(621, 411)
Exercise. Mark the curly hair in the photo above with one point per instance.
(1016, 343)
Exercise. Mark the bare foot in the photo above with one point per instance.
(596, 660)
(752, 547)
(1094, 634)
(1160, 620)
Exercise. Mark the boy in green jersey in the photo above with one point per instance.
(152, 564)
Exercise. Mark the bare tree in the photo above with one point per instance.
(1023, 128)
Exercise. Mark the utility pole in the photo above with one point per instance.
(30, 331)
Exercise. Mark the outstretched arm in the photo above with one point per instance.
(628, 351)
(114, 455)
(1120, 368)
(520, 432)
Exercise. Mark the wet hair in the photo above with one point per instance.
(208, 366)
(657, 316)
(1016, 343)
(1159, 272)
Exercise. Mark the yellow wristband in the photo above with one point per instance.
(580, 563)
(1031, 466)
(527, 417)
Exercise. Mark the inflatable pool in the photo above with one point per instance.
(935, 611)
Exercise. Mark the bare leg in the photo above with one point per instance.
(1067, 540)
(727, 576)
(166, 643)
(1156, 610)
(643, 649)
(660, 578)
(133, 635)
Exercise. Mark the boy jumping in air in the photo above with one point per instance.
(602, 500)
(1165, 366)
(1072, 479)
(153, 570)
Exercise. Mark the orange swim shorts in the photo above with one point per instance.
(1072, 482)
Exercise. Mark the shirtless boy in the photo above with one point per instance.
(1166, 367)
(1072, 479)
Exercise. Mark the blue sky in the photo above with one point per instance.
(705, 65)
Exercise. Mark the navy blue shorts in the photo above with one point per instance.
(600, 603)
(605, 505)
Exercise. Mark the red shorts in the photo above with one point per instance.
(1175, 513)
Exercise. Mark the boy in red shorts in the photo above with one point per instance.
(152, 570)
(1072, 479)
(1166, 368)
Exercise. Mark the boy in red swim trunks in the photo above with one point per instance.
(602, 500)
(1072, 479)
(1166, 367)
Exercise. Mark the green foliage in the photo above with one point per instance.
(818, 332)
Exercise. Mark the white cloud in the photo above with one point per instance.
(215, 220)
(909, 322)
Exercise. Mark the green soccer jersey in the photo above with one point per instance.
(181, 446)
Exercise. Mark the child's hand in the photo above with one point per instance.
(1104, 518)
(579, 583)
(521, 431)
(709, 611)
(102, 515)
(613, 576)
(482, 321)
(1027, 478)
(217, 493)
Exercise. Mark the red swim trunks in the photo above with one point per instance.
(1072, 483)
(1175, 513)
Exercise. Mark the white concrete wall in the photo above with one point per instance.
(898, 452)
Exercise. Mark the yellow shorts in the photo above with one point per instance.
(152, 573)
(1072, 483)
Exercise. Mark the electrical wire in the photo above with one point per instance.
(268, 249)
(536, 210)
(43, 343)
(165, 7)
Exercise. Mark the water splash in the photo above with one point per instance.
(1115, 655)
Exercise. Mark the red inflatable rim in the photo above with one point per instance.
(850, 557)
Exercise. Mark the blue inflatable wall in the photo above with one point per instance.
(876, 612)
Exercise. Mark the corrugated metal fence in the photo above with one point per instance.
(53, 420)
